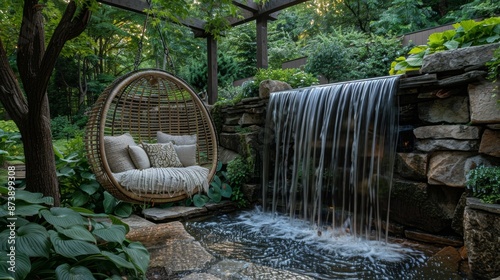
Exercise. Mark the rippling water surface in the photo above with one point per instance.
(279, 242)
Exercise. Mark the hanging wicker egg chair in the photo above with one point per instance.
(140, 105)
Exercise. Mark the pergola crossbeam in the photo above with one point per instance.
(249, 11)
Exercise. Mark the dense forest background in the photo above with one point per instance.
(344, 40)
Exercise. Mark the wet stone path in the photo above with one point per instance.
(175, 254)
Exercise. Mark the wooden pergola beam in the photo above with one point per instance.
(249, 11)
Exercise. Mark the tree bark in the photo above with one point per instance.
(35, 64)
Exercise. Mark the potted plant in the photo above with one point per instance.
(482, 221)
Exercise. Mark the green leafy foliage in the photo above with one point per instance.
(494, 66)
(219, 189)
(11, 147)
(466, 33)
(484, 182)
(348, 55)
(78, 185)
(63, 128)
(296, 78)
(197, 71)
(63, 243)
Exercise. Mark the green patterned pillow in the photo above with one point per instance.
(162, 155)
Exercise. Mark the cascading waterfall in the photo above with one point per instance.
(329, 155)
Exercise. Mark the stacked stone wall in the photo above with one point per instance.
(454, 117)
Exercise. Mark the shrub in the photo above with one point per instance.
(11, 147)
(62, 128)
(466, 33)
(296, 78)
(64, 243)
(484, 182)
(219, 188)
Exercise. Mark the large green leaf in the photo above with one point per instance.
(77, 232)
(113, 233)
(90, 188)
(109, 203)
(71, 248)
(226, 190)
(67, 272)
(33, 240)
(26, 209)
(33, 197)
(79, 198)
(30, 239)
(22, 266)
(452, 45)
(139, 255)
(199, 200)
(214, 194)
(63, 217)
(123, 209)
(117, 221)
(118, 260)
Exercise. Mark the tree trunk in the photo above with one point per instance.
(39, 156)
(31, 111)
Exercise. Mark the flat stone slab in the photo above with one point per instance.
(476, 203)
(171, 248)
(135, 221)
(234, 269)
(434, 239)
(171, 213)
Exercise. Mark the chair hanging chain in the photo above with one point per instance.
(138, 56)
(166, 51)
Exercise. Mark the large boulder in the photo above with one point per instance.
(484, 106)
(451, 168)
(429, 208)
(481, 237)
(453, 110)
(458, 59)
(267, 87)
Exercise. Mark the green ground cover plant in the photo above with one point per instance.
(484, 183)
(467, 33)
(64, 243)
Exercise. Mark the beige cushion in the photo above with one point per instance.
(162, 155)
(176, 139)
(186, 154)
(139, 157)
(116, 149)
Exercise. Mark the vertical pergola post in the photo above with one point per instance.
(262, 57)
(212, 69)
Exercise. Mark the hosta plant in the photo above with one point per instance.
(44, 242)
(466, 34)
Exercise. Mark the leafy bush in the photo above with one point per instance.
(484, 182)
(11, 147)
(8, 126)
(331, 60)
(78, 185)
(197, 71)
(64, 243)
(62, 128)
(296, 78)
(219, 188)
(466, 33)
